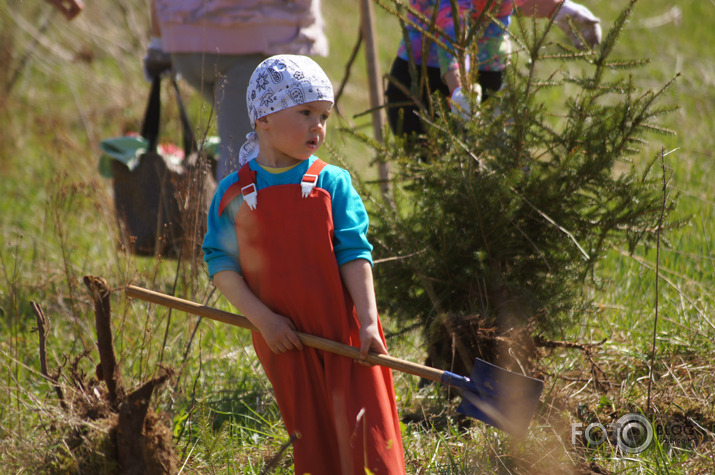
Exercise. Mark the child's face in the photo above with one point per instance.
(293, 134)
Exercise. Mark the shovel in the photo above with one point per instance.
(501, 398)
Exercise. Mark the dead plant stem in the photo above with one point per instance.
(657, 275)
(12, 281)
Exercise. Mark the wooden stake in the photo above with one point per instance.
(375, 84)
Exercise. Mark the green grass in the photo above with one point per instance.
(82, 82)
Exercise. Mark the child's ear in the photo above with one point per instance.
(262, 122)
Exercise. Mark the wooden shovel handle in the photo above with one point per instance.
(307, 339)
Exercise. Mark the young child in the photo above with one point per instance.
(286, 245)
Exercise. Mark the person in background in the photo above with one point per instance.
(215, 46)
(69, 8)
(287, 245)
(443, 73)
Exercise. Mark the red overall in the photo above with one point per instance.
(287, 260)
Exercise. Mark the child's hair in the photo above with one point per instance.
(280, 82)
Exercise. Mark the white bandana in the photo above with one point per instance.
(278, 83)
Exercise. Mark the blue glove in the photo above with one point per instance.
(156, 62)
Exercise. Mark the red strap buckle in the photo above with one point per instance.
(250, 195)
(308, 183)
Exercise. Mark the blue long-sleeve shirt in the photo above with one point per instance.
(350, 219)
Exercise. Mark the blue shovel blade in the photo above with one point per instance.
(501, 398)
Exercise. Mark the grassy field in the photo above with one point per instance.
(65, 86)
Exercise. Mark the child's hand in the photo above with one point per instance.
(370, 340)
(279, 333)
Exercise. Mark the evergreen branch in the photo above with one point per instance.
(658, 130)
(451, 135)
(626, 64)
(617, 27)
(554, 223)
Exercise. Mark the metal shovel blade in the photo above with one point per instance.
(499, 397)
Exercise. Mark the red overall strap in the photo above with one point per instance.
(311, 174)
(246, 177)
(310, 178)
